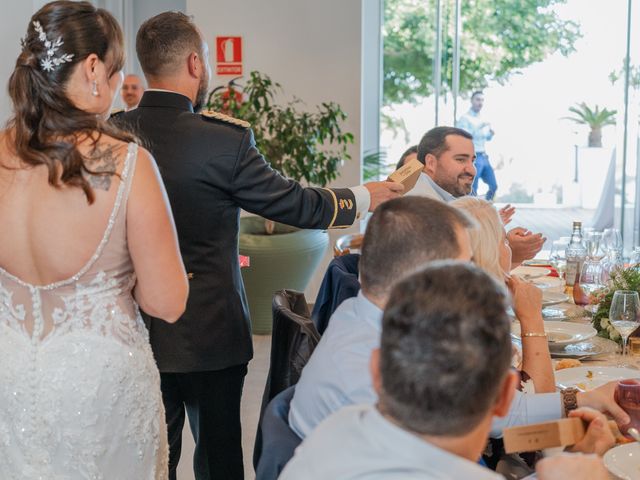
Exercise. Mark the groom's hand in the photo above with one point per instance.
(382, 191)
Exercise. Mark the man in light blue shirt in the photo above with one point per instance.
(402, 235)
(481, 132)
(441, 374)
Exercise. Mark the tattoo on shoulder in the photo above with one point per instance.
(101, 167)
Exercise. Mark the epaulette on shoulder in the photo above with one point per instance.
(225, 118)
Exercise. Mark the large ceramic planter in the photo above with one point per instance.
(285, 259)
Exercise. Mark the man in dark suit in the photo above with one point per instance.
(211, 169)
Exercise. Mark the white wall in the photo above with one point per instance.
(313, 48)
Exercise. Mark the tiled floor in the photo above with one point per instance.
(251, 399)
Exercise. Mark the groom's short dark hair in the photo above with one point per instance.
(164, 41)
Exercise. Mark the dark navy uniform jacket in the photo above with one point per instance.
(211, 169)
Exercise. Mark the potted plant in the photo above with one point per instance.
(595, 118)
(307, 146)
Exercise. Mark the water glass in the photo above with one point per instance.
(591, 280)
(593, 243)
(557, 257)
(624, 314)
(635, 256)
(611, 263)
(611, 239)
(627, 395)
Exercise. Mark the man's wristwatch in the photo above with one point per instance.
(569, 399)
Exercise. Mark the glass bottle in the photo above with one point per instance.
(576, 254)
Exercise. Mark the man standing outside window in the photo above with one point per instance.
(482, 132)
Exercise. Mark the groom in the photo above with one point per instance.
(211, 169)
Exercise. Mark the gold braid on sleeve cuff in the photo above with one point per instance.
(344, 207)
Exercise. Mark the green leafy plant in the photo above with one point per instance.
(595, 118)
(300, 144)
(623, 279)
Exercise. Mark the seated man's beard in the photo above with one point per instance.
(455, 187)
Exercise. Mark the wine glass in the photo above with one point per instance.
(557, 257)
(627, 395)
(612, 262)
(624, 314)
(635, 257)
(591, 280)
(611, 239)
(592, 242)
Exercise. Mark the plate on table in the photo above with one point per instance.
(529, 273)
(589, 348)
(559, 333)
(588, 378)
(553, 298)
(537, 262)
(549, 284)
(624, 461)
(551, 313)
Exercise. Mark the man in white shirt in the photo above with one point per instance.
(401, 235)
(448, 156)
(442, 373)
(482, 132)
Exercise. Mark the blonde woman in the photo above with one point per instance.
(492, 253)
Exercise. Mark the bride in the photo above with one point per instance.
(86, 235)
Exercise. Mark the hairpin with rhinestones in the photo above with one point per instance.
(51, 61)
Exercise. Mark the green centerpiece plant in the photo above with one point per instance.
(621, 279)
(305, 144)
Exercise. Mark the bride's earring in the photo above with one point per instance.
(94, 92)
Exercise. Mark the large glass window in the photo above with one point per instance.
(552, 76)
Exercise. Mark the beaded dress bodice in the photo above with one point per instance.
(79, 388)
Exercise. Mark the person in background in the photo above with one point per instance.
(211, 168)
(481, 132)
(447, 154)
(492, 253)
(131, 93)
(437, 391)
(409, 154)
(132, 90)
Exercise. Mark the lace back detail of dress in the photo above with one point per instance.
(97, 298)
(79, 388)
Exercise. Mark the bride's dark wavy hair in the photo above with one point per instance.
(46, 124)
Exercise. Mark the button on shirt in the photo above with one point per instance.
(358, 442)
(337, 373)
(477, 127)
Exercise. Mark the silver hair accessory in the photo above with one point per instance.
(51, 62)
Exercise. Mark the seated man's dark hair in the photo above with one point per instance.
(407, 152)
(402, 235)
(445, 349)
(435, 141)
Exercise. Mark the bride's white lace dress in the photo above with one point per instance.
(79, 388)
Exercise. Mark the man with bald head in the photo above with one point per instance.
(132, 90)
